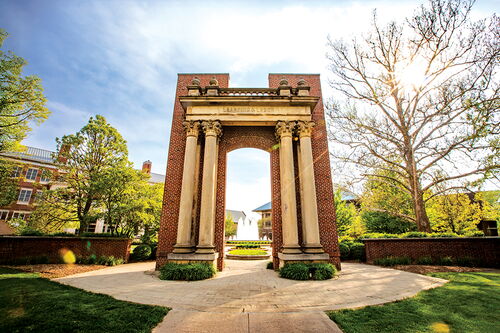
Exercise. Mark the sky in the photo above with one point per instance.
(120, 59)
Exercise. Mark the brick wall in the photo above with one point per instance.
(483, 249)
(12, 248)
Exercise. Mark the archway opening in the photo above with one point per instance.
(248, 196)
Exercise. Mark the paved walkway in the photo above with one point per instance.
(245, 295)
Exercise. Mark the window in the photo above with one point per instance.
(45, 176)
(24, 196)
(19, 215)
(31, 174)
(38, 195)
(16, 172)
(4, 214)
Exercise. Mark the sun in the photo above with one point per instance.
(412, 75)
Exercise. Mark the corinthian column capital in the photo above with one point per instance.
(192, 128)
(304, 128)
(212, 128)
(285, 128)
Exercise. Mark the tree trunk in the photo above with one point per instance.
(422, 219)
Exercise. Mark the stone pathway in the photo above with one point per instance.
(246, 296)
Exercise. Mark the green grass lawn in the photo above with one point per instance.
(470, 302)
(29, 303)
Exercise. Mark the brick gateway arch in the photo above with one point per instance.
(209, 120)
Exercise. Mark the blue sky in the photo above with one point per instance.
(120, 59)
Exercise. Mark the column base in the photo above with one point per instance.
(186, 258)
(205, 249)
(291, 249)
(183, 248)
(302, 257)
(313, 248)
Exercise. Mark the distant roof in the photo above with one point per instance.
(32, 154)
(236, 214)
(266, 206)
(348, 196)
(156, 178)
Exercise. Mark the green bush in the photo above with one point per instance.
(377, 235)
(344, 250)
(445, 261)
(296, 271)
(322, 271)
(384, 222)
(303, 271)
(414, 234)
(260, 242)
(186, 272)
(357, 251)
(248, 252)
(466, 262)
(424, 261)
(270, 265)
(31, 232)
(141, 252)
(62, 234)
(248, 246)
(103, 234)
(443, 234)
(475, 233)
(392, 261)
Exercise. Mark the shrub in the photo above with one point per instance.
(377, 235)
(443, 234)
(270, 265)
(386, 223)
(424, 261)
(62, 234)
(322, 271)
(248, 246)
(248, 252)
(92, 259)
(357, 251)
(475, 233)
(31, 232)
(296, 271)
(103, 234)
(187, 272)
(303, 271)
(142, 252)
(414, 234)
(344, 250)
(445, 261)
(466, 262)
(392, 261)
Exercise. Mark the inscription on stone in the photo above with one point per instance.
(246, 109)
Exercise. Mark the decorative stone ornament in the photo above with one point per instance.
(303, 88)
(213, 81)
(192, 128)
(284, 82)
(212, 128)
(284, 89)
(302, 83)
(195, 81)
(194, 89)
(304, 128)
(213, 88)
(285, 128)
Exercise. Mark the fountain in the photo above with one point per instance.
(248, 229)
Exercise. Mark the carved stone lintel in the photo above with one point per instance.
(212, 128)
(304, 128)
(192, 128)
(285, 128)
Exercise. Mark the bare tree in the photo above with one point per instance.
(420, 98)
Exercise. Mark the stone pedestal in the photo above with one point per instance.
(286, 258)
(187, 258)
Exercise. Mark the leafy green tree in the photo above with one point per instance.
(454, 213)
(229, 226)
(383, 222)
(22, 101)
(86, 158)
(8, 185)
(420, 97)
(345, 212)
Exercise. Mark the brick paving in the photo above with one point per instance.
(247, 287)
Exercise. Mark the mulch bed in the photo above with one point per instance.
(52, 271)
(425, 269)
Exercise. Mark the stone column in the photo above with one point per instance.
(184, 244)
(212, 131)
(284, 131)
(308, 184)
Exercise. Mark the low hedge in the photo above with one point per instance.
(247, 246)
(248, 252)
(187, 272)
(102, 260)
(141, 252)
(417, 234)
(307, 271)
(443, 261)
(260, 242)
(392, 261)
(350, 250)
